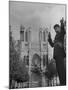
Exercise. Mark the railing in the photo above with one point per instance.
(48, 82)
(15, 84)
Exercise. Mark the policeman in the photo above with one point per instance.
(59, 53)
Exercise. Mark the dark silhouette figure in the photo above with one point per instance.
(59, 53)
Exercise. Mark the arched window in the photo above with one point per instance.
(26, 36)
(22, 33)
(44, 37)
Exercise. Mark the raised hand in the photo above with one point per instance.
(62, 20)
(50, 40)
(49, 35)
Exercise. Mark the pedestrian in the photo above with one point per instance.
(59, 53)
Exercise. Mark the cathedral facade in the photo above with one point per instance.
(34, 52)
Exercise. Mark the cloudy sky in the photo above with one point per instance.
(35, 15)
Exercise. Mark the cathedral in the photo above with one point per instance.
(30, 48)
(34, 52)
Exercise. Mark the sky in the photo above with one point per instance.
(34, 15)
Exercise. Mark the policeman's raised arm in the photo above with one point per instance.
(62, 23)
(50, 40)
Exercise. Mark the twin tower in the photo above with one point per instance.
(30, 47)
(25, 34)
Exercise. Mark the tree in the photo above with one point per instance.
(51, 69)
(17, 69)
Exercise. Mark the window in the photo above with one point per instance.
(26, 36)
(44, 37)
(22, 35)
(40, 35)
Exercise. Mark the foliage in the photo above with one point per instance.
(51, 69)
(17, 69)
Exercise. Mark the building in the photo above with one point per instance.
(29, 49)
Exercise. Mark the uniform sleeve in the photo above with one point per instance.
(65, 43)
(62, 29)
